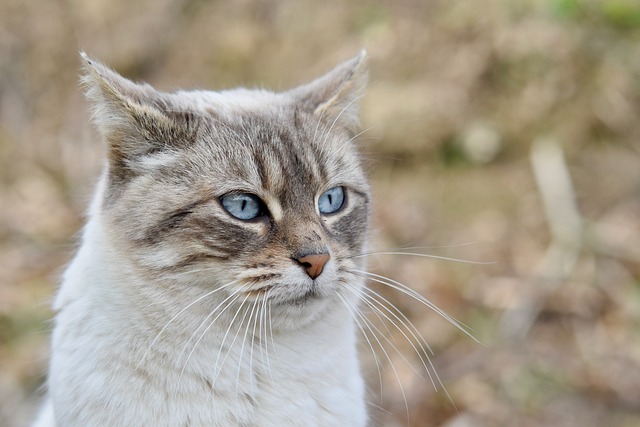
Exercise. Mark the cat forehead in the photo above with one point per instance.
(257, 141)
(278, 151)
(229, 103)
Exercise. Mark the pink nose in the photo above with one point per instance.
(314, 263)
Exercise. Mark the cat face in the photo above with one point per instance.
(262, 194)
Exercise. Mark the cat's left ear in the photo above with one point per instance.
(334, 97)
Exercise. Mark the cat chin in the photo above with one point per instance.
(307, 298)
(299, 312)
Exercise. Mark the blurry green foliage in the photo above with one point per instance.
(452, 154)
(623, 14)
(567, 9)
(620, 14)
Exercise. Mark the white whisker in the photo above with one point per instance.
(244, 340)
(218, 368)
(263, 325)
(357, 98)
(384, 351)
(373, 352)
(178, 314)
(253, 337)
(235, 296)
(410, 292)
(381, 299)
(388, 340)
(425, 256)
(354, 137)
(428, 364)
(273, 343)
(315, 133)
(415, 248)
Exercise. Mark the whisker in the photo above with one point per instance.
(253, 337)
(231, 323)
(384, 351)
(373, 352)
(235, 296)
(414, 248)
(315, 133)
(355, 136)
(273, 343)
(381, 299)
(263, 325)
(244, 340)
(369, 301)
(388, 340)
(415, 295)
(345, 108)
(177, 315)
(218, 368)
(411, 328)
(424, 256)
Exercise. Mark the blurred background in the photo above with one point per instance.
(498, 131)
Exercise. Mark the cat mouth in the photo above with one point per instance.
(304, 299)
(299, 299)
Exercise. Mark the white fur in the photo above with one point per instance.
(102, 375)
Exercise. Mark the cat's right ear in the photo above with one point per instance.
(134, 119)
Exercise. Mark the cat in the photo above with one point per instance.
(221, 265)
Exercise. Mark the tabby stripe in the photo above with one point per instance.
(190, 260)
(154, 234)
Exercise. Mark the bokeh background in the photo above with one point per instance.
(498, 130)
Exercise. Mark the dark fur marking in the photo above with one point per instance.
(190, 260)
(169, 223)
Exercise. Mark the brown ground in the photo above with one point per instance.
(512, 125)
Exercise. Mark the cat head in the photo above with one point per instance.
(260, 193)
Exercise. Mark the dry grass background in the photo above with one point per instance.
(512, 125)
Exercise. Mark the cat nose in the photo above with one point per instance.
(313, 263)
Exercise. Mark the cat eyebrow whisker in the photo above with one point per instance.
(354, 137)
(315, 133)
(345, 108)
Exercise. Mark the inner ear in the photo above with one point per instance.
(335, 96)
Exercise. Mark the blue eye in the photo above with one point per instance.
(243, 206)
(331, 201)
